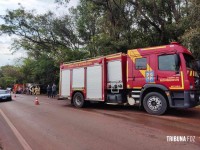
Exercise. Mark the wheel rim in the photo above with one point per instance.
(78, 100)
(154, 103)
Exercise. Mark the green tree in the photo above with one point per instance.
(41, 71)
(97, 27)
(41, 34)
(191, 36)
(10, 75)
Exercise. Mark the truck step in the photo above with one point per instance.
(136, 94)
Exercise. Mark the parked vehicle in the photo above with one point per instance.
(5, 95)
(9, 89)
(155, 78)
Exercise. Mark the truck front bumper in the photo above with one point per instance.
(184, 99)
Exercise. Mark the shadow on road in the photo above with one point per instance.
(101, 106)
(184, 113)
(5, 101)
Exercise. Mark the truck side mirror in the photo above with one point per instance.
(177, 62)
(198, 65)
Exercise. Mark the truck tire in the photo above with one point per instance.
(78, 100)
(155, 103)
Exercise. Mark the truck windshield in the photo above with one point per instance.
(190, 62)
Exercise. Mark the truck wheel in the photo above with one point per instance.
(78, 100)
(154, 103)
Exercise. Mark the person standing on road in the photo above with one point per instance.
(53, 91)
(33, 90)
(36, 90)
(49, 91)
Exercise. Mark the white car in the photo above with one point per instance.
(5, 95)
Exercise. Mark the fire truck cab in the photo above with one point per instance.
(162, 77)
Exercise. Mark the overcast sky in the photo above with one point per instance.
(41, 6)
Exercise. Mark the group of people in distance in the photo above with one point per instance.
(35, 90)
(32, 90)
(51, 91)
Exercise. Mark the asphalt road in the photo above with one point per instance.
(56, 125)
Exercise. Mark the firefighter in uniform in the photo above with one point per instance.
(33, 91)
(36, 90)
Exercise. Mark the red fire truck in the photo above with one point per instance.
(18, 88)
(155, 78)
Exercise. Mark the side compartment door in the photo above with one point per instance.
(94, 83)
(114, 74)
(65, 83)
(78, 76)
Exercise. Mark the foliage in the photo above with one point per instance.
(98, 27)
(39, 34)
(41, 71)
(191, 36)
(10, 75)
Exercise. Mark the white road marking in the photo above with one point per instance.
(16, 132)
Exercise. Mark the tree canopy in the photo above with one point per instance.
(98, 27)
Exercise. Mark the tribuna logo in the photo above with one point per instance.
(181, 139)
